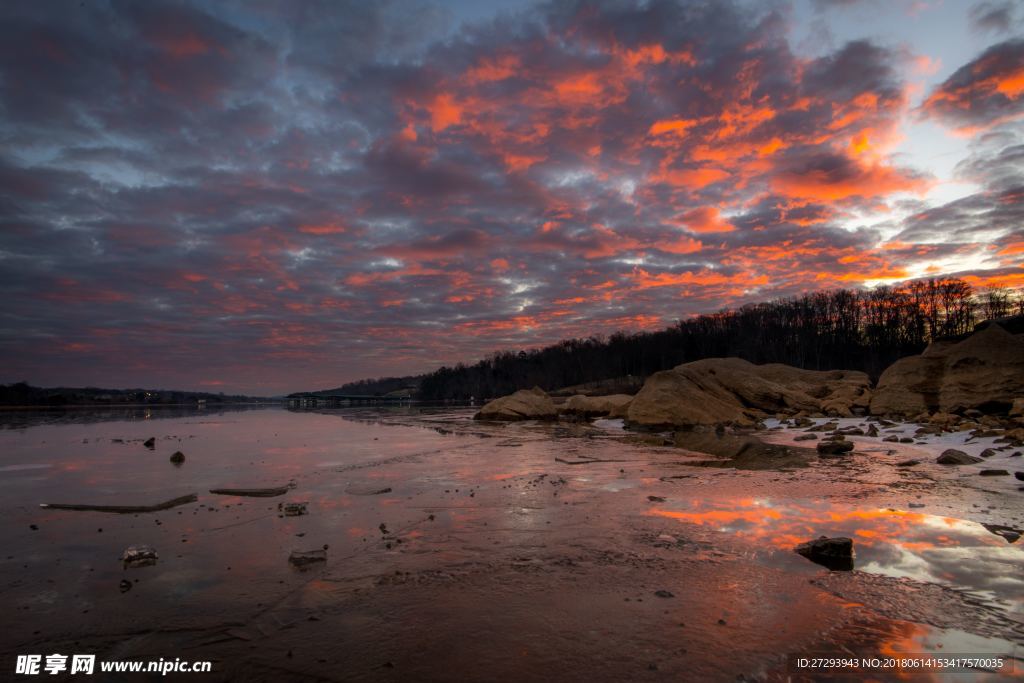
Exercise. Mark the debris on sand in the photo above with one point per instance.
(303, 558)
(139, 556)
(123, 509)
(150, 443)
(293, 509)
(254, 493)
(178, 457)
(952, 456)
(834, 553)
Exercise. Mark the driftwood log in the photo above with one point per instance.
(173, 502)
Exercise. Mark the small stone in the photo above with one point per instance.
(834, 553)
(139, 556)
(664, 594)
(125, 585)
(656, 499)
(178, 457)
(994, 473)
(988, 453)
(834, 448)
(150, 443)
(952, 456)
(806, 437)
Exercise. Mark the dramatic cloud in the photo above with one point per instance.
(984, 92)
(278, 196)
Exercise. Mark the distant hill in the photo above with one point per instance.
(22, 394)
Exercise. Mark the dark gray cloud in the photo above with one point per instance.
(276, 195)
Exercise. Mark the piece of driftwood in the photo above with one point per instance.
(254, 493)
(174, 502)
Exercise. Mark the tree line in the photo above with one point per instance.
(826, 330)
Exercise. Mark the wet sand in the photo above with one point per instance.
(501, 552)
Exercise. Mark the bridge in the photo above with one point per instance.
(338, 400)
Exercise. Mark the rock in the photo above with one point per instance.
(656, 499)
(892, 439)
(178, 457)
(150, 443)
(615, 405)
(125, 585)
(1019, 475)
(139, 556)
(1009, 533)
(1017, 408)
(984, 372)
(908, 463)
(987, 453)
(951, 456)
(525, 404)
(906, 439)
(831, 449)
(293, 509)
(664, 594)
(825, 427)
(916, 505)
(872, 431)
(718, 390)
(304, 558)
(806, 437)
(994, 473)
(834, 553)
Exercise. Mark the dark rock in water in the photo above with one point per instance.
(952, 456)
(806, 437)
(178, 457)
(834, 553)
(125, 585)
(872, 431)
(908, 463)
(892, 439)
(293, 509)
(906, 439)
(828, 449)
(1019, 475)
(994, 473)
(664, 594)
(139, 556)
(303, 558)
(1009, 533)
(150, 443)
(987, 453)
(656, 499)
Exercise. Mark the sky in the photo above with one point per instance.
(270, 196)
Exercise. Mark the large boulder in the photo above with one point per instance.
(525, 404)
(598, 406)
(717, 390)
(983, 372)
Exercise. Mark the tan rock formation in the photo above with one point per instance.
(594, 406)
(525, 404)
(984, 372)
(716, 390)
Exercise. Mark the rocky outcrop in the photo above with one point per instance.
(717, 390)
(525, 404)
(598, 406)
(983, 372)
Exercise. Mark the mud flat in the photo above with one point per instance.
(441, 548)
